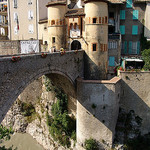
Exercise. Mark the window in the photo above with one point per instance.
(30, 14)
(112, 45)
(15, 17)
(94, 20)
(135, 14)
(106, 20)
(134, 30)
(29, 2)
(122, 29)
(31, 29)
(100, 20)
(111, 61)
(134, 47)
(94, 46)
(71, 26)
(129, 3)
(124, 47)
(75, 26)
(16, 30)
(122, 14)
(53, 22)
(15, 3)
(53, 39)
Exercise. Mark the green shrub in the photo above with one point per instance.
(61, 126)
(91, 144)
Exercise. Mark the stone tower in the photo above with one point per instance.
(96, 35)
(56, 24)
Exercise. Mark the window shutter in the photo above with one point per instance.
(111, 61)
(122, 14)
(138, 47)
(31, 29)
(15, 3)
(125, 47)
(129, 3)
(30, 14)
(135, 14)
(15, 16)
(130, 47)
(134, 30)
(122, 29)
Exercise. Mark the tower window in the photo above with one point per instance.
(94, 20)
(53, 39)
(106, 19)
(53, 22)
(94, 46)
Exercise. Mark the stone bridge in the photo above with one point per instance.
(15, 76)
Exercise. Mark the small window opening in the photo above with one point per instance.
(94, 47)
(75, 26)
(53, 39)
(94, 20)
(53, 22)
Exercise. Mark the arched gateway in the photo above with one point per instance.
(75, 45)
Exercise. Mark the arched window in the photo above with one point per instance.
(75, 26)
(71, 26)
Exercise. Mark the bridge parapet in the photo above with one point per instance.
(17, 74)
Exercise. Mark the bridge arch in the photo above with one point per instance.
(18, 75)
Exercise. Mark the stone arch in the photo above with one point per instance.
(24, 84)
(75, 45)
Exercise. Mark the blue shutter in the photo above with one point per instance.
(111, 61)
(122, 14)
(135, 14)
(129, 3)
(134, 30)
(125, 47)
(138, 47)
(122, 29)
(130, 47)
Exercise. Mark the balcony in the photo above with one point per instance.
(114, 36)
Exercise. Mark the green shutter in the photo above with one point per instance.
(138, 47)
(130, 47)
(111, 61)
(129, 3)
(125, 47)
(122, 14)
(135, 14)
(122, 29)
(134, 30)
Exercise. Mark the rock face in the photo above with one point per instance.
(37, 125)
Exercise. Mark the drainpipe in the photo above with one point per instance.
(9, 23)
(37, 19)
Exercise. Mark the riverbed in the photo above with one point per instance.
(22, 142)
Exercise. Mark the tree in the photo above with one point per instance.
(146, 58)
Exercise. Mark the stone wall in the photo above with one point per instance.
(97, 110)
(9, 47)
(135, 95)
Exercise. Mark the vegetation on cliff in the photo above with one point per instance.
(91, 144)
(62, 127)
(5, 135)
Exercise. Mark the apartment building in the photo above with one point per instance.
(3, 20)
(24, 16)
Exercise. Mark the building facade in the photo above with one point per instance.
(24, 17)
(106, 30)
